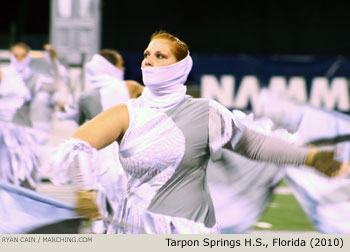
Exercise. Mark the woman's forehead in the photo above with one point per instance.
(159, 45)
(19, 50)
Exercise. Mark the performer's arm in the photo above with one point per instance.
(105, 128)
(257, 146)
(99, 132)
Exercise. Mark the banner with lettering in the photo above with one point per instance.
(236, 80)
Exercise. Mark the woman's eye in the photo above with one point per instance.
(160, 56)
(145, 55)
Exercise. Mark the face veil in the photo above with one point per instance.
(22, 67)
(165, 85)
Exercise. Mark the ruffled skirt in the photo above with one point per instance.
(19, 154)
(134, 219)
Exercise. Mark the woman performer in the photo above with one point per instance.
(19, 156)
(166, 140)
(105, 73)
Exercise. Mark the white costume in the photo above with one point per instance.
(107, 90)
(39, 77)
(165, 153)
(18, 148)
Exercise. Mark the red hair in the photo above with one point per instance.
(178, 47)
(22, 45)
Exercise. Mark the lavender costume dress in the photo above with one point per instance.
(165, 152)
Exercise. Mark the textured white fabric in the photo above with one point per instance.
(151, 153)
(74, 162)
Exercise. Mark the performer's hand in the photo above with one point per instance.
(324, 162)
(52, 51)
(86, 206)
(60, 100)
(344, 169)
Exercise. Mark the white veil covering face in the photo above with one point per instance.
(99, 68)
(22, 67)
(165, 85)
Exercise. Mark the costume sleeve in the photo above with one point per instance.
(75, 162)
(258, 146)
(225, 129)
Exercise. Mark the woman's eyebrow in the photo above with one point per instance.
(162, 52)
(158, 51)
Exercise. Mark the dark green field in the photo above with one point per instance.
(284, 213)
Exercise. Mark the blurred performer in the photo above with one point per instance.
(326, 201)
(18, 146)
(45, 79)
(241, 187)
(105, 73)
